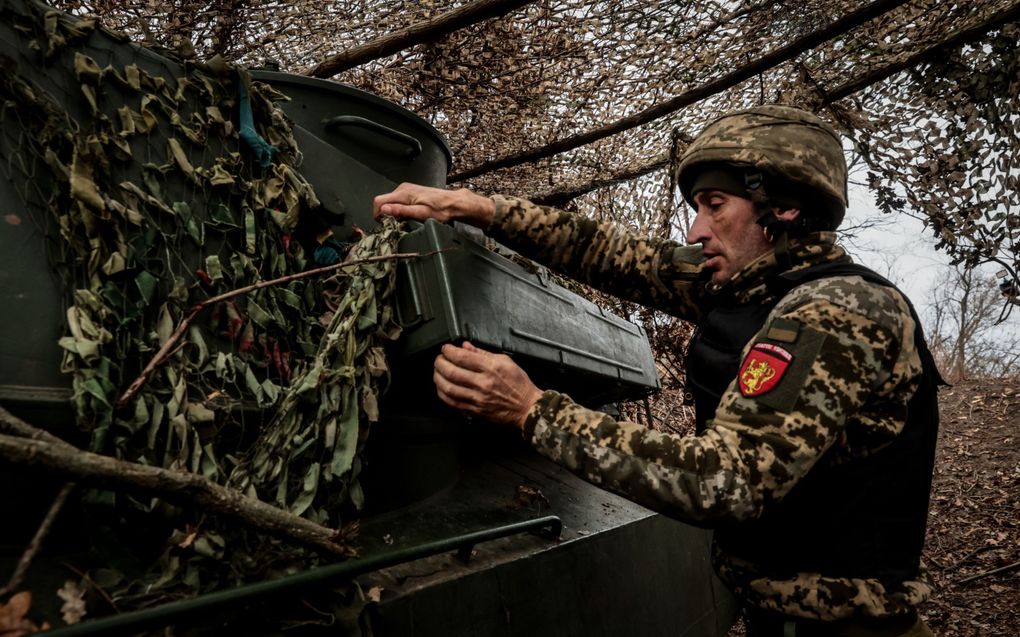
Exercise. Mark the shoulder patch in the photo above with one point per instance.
(783, 330)
(762, 368)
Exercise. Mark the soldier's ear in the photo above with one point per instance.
(788, 215)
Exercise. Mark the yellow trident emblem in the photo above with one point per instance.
(758, 373)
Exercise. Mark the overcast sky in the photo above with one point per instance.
(900, 248)
(903, 250)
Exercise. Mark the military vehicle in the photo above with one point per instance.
(465, 530)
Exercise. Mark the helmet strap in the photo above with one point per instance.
(774, 229)
(782, 249)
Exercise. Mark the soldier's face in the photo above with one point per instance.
(726, 229)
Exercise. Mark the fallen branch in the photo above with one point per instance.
(175, 486)
(994, 571)
(40, 534)
(9, 423)
(168, 347)
(31, 445)
(762, 64)
(407, 37)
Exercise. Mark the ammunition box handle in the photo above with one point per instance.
(413, 145)
(404, 267)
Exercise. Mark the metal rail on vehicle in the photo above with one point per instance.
(135, 621)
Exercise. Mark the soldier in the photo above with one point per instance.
(813, 388)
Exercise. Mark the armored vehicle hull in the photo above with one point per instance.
(466, 531)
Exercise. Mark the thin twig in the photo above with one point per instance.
(166, 350)
(563, 194)
(92, 584)
(40, 534)
(938, 564)
(994, 571)
(966, 557)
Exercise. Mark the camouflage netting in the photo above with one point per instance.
(163, 184)
(551, 70)
(926, 92)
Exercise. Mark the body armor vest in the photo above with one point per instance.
(863, 517)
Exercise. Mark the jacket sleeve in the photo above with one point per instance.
(851, 368)
(653, 272)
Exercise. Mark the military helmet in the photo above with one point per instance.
(785, 143)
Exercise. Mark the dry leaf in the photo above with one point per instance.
(13, 622)
(528, 496)
(189, 539)
(74, 602)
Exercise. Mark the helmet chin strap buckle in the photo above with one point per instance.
(753, 180)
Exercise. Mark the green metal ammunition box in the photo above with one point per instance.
(463, 291)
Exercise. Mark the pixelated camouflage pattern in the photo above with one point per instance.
(855, 339)
(815, 596)
(781, 140)
(656, 272)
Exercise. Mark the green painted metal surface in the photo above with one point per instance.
(315, 103)
(431, 476)
(463, 291)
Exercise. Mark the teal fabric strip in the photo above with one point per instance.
(262, 149)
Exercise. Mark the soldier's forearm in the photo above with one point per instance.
(606, 256)
(693, 479)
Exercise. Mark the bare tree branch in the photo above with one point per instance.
(687, 98)
(964, 337)
(391, 43)
(9, 423)
(564, 194)
(175, 486)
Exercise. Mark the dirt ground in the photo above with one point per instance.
(973, 546)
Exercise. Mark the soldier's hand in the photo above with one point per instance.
(411, 201)
(484, 384)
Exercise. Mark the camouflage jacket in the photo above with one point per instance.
(847, 390)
